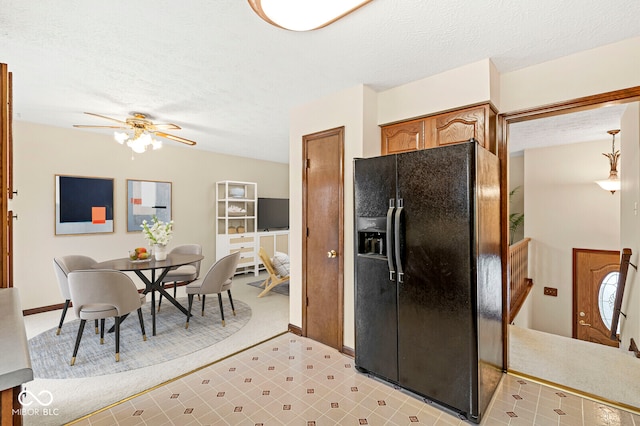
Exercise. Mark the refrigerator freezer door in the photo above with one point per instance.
(376, 320)
(376, 330)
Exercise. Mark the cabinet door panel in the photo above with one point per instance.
(403, 137)
(266, 242)
(460, 126)
(282, 243)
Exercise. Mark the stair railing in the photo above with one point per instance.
(519, 283)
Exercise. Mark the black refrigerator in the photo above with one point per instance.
(428, 292)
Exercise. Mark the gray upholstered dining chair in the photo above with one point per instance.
(97, 294)
(184, 273)
(217, 280)
(62, 266)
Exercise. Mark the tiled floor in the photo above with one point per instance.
(294, 380)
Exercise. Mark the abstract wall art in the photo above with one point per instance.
(146, 199)
(84, 205)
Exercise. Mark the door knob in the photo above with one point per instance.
(581, 322)
(331, 254)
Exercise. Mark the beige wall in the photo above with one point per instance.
(465, 85)
(630, 226)
(40, 152)
(604, 69)
(565, 209)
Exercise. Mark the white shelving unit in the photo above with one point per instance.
(236, 221)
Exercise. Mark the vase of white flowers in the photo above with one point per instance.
(157, 235)
(160, 251)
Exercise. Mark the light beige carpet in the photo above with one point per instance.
(603, 371)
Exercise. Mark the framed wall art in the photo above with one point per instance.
(84, 205)
(146, 199)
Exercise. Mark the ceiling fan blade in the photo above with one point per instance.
(100, 127)
(167, 126)
(108, 118)
(175, 138)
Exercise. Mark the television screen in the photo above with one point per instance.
(273, 213)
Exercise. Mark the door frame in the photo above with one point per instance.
(339, 131)
(621, 96)
(6, 175)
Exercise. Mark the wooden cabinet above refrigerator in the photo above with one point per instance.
(447, 128)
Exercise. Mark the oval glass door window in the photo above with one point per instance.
(607, 297)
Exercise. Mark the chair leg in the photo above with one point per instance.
(97, 330)
(117, 339)
(204, 296)
(102, 331)
(190, 297)
(144, 335)
(64, 313)
(233, 308)
(75, 350)
(221, 310)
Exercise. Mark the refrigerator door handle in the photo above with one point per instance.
(397, 250)
(392, 270)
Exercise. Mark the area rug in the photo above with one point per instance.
(280, 288)
(51, 354)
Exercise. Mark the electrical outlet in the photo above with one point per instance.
(550, 291)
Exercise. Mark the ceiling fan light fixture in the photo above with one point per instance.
(612, 183)
(120, 137)
(139, 142)
(139, 131)
(304, 15)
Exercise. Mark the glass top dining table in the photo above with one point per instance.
(158, 270)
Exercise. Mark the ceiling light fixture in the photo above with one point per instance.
(612, 183)
(304, 15)
(139, 142)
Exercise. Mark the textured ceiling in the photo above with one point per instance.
(584, 126)
(229, 79)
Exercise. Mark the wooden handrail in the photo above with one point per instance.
(519, 245)
(622, 279)
(519, 283)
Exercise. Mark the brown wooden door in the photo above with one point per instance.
(591, 269)
(323, 219)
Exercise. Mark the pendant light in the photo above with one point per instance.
(612, 183)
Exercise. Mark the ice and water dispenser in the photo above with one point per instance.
(372, 236)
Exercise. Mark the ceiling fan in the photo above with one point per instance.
(140, 124)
